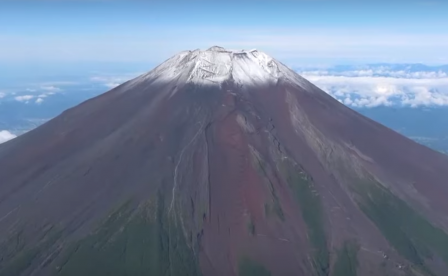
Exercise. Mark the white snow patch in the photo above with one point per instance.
(216, 65)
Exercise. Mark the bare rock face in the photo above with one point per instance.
(220, 163)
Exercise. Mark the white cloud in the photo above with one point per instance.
(381, 72)
(50, 88)
(46, 94)
(36, 90)
(368, 91)
(6, 136)
(113, 81)
(112, 84)
(27, 98)
(109, 82)
(57, 83)
(24, 98)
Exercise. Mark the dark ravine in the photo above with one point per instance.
(220, 163)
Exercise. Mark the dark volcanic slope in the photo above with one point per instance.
(171, 174)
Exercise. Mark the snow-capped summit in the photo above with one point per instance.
(217, 64)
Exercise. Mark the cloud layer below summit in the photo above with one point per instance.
(361, 88)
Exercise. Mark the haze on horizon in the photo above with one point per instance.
(296, 32)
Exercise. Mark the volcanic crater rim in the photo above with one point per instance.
(217, 65)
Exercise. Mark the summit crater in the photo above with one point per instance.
(216, 65)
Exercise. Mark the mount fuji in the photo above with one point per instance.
(218, 163)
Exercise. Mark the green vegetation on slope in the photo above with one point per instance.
(347, 260)
(407, 231)
(17, 256)
(145, 241)
(312, 213)
(248, 267)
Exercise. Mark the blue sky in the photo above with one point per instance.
(296, 32)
